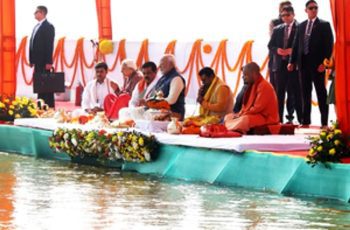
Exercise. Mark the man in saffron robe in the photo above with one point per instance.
(214, 96)
(260, 106)
(121, 97)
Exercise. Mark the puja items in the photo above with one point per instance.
(100, 120)
(123, 124)
(217, 130)
(157, 115)
(62, 116)
(158, 104)
(174, 127)
(191, 125)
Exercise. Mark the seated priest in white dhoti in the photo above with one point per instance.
(96, 90)
(141, 92)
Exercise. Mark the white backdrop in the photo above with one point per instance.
(161, 22)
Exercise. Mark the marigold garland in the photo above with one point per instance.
(130, 146)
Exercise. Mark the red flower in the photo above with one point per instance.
(101, 132)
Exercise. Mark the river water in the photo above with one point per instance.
(42, 194)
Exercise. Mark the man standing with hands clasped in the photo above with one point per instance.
(287, 81)
(313, 44)
(41, 49)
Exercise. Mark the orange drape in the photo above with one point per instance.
(103, 9)
(7, 47)
(340, 11)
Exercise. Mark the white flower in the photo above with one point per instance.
(117, 155)
(66, 136)
(74, 142)
(147, 156)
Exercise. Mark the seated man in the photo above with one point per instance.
(96, 90)
(120, 99)
(141, 93)
(171, 86)
(239, 98)
(144, 87)
(260, 105)
(214, 96)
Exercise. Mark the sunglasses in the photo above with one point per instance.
(313, 7)
(285, 15)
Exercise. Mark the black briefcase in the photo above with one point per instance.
(48, 82)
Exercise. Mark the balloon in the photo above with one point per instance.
(105, 46)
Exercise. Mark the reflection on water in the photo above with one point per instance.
(40, 194)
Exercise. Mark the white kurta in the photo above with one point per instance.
(135, 98)
(95, 93)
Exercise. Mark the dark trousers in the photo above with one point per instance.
(273, 79)
(311, 75)
(47, 97)
(288, 83)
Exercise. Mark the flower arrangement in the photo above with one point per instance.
(17, 107)
(328, 146)
(129, 146)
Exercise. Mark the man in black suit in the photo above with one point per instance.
(313, 44)
(273, 23)
(280, 46)
(41, 49)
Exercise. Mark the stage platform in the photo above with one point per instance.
(284, 172)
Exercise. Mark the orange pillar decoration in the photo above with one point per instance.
(7, 47)
(103, 9)
(340, 10)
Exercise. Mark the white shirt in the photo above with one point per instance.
(309, 24)
(135, 98)
(176, 87)
(290, 26)
(95, 93)
(36, 28)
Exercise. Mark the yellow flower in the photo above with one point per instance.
(337, 142)
(14, 102)
(311, 152)
(330, 136)
(319, 148)
(17, 115)
(6, 100)
(24, 100)
(323, 134)
(337, 131)
(12, 107)
(332, 151)
(2, 105)
(141, 141)
(10, 112)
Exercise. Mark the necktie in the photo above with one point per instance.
(285, 39)
(307, 37)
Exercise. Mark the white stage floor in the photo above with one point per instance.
(274, 143)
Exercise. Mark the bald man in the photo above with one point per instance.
(260, 106)
(171, 86)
